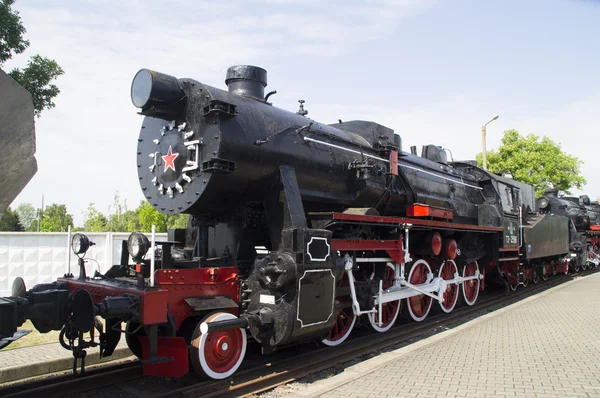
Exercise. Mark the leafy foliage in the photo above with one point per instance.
(541, 163)
(9, 221)
(177, 221)
(40, 71)
(94, 220)
(149, 216)
(56, 219)
(27, 215)
(11, 32)
(36, 78)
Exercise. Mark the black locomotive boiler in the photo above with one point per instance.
(298, 229)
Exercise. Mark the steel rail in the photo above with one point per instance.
(260, 379)
(54, 386)
(282, 371)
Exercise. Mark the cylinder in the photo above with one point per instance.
(449, 249)
(436, 243)
(247, 80)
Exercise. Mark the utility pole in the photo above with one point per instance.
(483, 139)
(40, 215)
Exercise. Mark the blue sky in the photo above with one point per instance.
(434, 71)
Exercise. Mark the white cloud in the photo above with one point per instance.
(86, 145)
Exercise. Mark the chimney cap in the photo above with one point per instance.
(246, 72)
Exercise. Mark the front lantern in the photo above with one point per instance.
(80, 244)
(138, 245)
(542, 203)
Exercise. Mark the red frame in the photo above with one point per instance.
(172, 287)
(413, 221)
(197, 282)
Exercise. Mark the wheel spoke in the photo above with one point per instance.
(419, 305)
(471, 288)
(389, 311)
(447, 271)
(344, 322)
(218, 355)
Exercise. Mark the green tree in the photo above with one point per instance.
(177, 221)
(149, 216)
(121, 219)
(27, 215)
(9, 221)
(56, 219)
(131, 221)
(535, 161)
(40, 71)
(94, 221)
(116, 221)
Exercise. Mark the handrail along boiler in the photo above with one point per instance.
(297, 230)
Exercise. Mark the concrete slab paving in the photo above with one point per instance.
(25, 362)
(547, 345)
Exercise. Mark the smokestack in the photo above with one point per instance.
(553, 192)
(247, 80)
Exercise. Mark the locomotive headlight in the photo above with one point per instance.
(80, 244)
(150, 88)
(141, 88)
(542, 203)
(138, 245)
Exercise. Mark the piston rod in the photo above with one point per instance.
(210, 327)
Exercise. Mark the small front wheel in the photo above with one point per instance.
(217, 355)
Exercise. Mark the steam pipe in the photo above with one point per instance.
(153, 258)
(69, 250)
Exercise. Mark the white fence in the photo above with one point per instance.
(41, 257)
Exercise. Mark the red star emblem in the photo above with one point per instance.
(169, 159)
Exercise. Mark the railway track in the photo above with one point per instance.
(281, 371)
(56, 386)
(256, 381)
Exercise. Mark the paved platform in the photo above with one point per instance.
(547, 345)
(21, 363)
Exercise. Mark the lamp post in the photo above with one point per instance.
(483, 132)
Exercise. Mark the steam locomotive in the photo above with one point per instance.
(297, 230)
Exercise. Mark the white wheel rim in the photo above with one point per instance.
(412, 314)
(201, 346)
(455, 268)
(463, 286)
(371, 316)
(333, 343)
